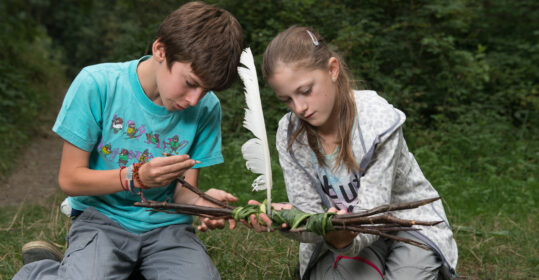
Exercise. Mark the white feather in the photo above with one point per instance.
(256, 150)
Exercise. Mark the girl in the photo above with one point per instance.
(344, 150)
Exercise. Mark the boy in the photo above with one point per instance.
(117, 120)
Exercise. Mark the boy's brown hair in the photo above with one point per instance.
(208, 37)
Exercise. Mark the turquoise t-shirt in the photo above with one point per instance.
(106, 113)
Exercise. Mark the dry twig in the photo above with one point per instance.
(375, 221)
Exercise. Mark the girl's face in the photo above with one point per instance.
(309, 93)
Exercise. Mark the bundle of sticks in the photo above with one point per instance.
(375, 221)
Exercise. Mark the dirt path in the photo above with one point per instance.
(34, 179)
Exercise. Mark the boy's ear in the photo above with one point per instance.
(334, 68)
(158, 50)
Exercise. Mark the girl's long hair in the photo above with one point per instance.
(303, 47)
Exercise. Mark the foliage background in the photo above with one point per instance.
(465, 73)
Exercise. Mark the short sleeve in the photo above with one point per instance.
(80, 119)
(206, 146)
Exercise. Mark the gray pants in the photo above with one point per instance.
(384, 259)
(100, 248)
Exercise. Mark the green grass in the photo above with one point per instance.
(490, 195)
(27, 222)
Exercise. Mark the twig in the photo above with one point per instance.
(345, 219)
(358, 228)
(398, 238)
(203, 194)
(392, 207)
(189, 209)
(363, 222)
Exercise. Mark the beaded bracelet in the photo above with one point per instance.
(136, 176)
(132, 188)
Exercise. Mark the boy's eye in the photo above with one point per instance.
(189, 84)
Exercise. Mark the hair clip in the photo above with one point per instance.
(315, 41)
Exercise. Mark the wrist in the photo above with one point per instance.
(137, 180)
(124, 184)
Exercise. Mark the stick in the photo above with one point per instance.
(394, 237)
(187, 208)
(344, 219)
(203, 194)
(362, 223)
(393, 207)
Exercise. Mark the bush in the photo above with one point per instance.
(30, 75)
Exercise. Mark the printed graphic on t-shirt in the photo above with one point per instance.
(152, 138)
(340, 185)
(117, 124)
(121, 155)
(344, 196)
(133, 131)
(175, 145)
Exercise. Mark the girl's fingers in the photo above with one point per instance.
(281, 206)
(202, 227)
(332, 210)
(213, 224)
(255, 224)
(253, 202)
(231, 223)
(265, 219)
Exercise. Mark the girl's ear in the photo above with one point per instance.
(334, 68)
(158, 50)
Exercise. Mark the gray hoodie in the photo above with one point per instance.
(390, 174)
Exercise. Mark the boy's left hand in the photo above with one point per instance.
(207, 223)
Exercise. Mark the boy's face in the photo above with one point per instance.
(179, 88)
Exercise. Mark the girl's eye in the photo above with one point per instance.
(286, 101)
(189, 84)
(307, 91)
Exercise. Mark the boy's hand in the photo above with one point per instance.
(160, 171)
(207, 223)
(339, 238)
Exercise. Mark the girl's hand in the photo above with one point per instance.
(281, 206)
(160, 171)
(339, 238)
(264, 218)
(207, 223)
